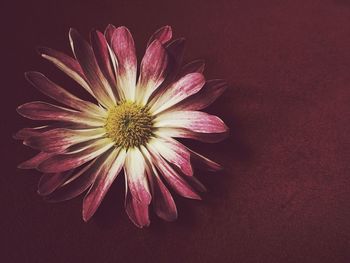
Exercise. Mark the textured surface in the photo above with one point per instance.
(285, 193)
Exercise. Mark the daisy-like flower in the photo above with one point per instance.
(131, 126)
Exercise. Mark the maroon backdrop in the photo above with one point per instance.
(285, 193)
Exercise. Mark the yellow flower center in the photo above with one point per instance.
(129, 124)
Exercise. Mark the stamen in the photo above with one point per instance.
(129, 124)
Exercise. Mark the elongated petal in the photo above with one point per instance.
(67, 64)
(136, 211)
(163, 35)
(26, 133)
(109, 171)
(172, 177)
(59, 94)
(109, 33)
(162, 201)
(174, 152)
(78, 183)
(134, 170)
(85, 56)
(195, 121)
(64, 162)
(183, 88)
(124, 49)
(45, 111)
(49, 182)
(204, 162)
(192, 67)
(34, 162)
(59, 139)
(152, 72)
(102, 54)
(206, 96)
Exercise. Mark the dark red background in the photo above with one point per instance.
(285, 193)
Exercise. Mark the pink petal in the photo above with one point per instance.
(173, 179)
(195, 121)
(109, 33)
(85, 56)
(174, 152)
(26, 133)
(136, 211)
(59, 94)
(204, 162)
(78, 183)
(67, 64)
(152, 71)
(192, 67)
(124, 49)
(57, 140)
(102, 54)
(196, 184)
(163, 203)
(106, 176)
(134, 170)
(34, 162)
(181, 89)
(46, 111)
(50, 182)
(206, 96)
(163, 35)
(64, 162)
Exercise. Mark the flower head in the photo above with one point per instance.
(131, 126)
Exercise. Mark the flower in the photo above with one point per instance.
(131, 126)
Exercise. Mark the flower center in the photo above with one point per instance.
(129, 124)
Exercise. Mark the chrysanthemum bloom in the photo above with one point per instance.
(131, 126)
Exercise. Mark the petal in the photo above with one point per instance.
(173, 178)
(124, 49)
(206, 96)
(202, 161)
(174, 152)
(64, 162)
(102, 54)
(59, 94)
(136, 211)
(106, 176)
(34, 162)
(152, 71)
(85, 56)
(45, 111)
(195, 121)
(192, 67)
(134, 170)
(49, 182)
(163, 35)
(109, 33)
(26, 133)
(183, 88)
(78, 183)
(57, 140)
(67, 64)
(163, 203)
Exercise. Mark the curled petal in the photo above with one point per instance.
(59, 94)
(59, 139)
(67, 64)
(26, 133)
(49, 182)
(84, 54)
(64, 162)
(192, 67)
(134, 170)
(172, 177)
(35, 161)
(124, 50)
(163, 35)
(180, 90)
(109, 33)
(152, 71)
(204, 162)
(136, 211)
(105, 177)
(45, 111)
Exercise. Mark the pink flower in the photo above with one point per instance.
(131, 126)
